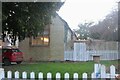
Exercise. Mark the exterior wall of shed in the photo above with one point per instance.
(55, 51)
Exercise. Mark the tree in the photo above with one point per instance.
(95, 35)
(26, 19)
(106, 29)
(83, 31)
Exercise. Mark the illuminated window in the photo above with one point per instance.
(43, 39)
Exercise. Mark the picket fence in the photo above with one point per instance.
(96, 74)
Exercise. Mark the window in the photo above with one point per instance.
(43, 39)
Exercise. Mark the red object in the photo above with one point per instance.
(11, 55)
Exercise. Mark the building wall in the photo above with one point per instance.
(69, 41)
(57, 39)
(69, 38)
(34, 53)
(55, 51)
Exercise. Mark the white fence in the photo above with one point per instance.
(68, 55)
(104, 55)
(88, 55)
(99, 72)
(81, 54)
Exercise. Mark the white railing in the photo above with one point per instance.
(99, 72)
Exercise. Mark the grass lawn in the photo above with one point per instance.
(54, 67)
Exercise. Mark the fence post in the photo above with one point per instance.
(97, 68)
(9, 74)
(103, 72)
(112, 72)
(66, 76)
(32, 75)
(49, 76)
(84, 76)
(16, 75)
(2, 73)
(75, 76)
(93, 76)
(24, 75)
(58, 76)
(40, 76)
